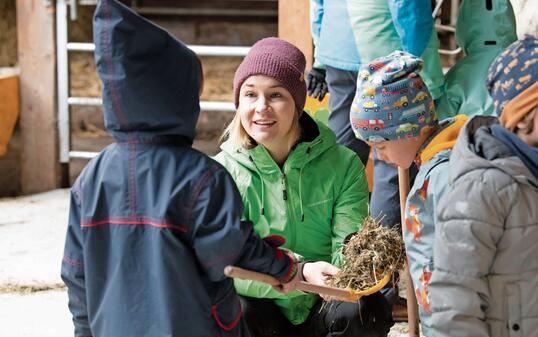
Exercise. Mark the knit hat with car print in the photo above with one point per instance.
(392, 102)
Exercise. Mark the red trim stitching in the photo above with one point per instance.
(134, 221)
(72, 262)
(198, 189)
(132, 185)
(230, 326)
(291, 272)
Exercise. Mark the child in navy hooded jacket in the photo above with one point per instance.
(152, 221)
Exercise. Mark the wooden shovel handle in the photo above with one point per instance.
(341, 294)
(236, 272)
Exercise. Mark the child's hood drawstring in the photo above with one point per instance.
(300, 186)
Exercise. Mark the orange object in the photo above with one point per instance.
(9, 109)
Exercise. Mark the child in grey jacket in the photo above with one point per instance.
(486, 243)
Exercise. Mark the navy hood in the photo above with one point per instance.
(151, 80)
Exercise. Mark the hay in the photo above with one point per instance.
(369, 255)
(8, 288)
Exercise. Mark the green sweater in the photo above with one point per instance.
(318, 197)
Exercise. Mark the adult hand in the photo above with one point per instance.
(317, 87)
(318, 273)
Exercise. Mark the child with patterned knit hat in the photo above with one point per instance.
(486, 248)
(394, 113)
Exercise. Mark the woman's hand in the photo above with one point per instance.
(318, 273)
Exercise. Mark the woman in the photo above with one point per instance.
(297, 185)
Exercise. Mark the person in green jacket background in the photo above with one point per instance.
(481, 40)
(300, 188)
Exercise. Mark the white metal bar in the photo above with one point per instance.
(63, 80)
(454, 10)
(73, 10)
(437, 8)
(445, 28)
(93, 101)
(450, 52)
(200, 50)
(82, 154)
(204, 105)
(217, 106)
(80, 46)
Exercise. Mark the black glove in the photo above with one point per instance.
(317, 87)
(376, 315)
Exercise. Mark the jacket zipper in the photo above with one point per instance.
(284, 192)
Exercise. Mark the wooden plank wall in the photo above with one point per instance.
(40, 168)
(294, 26)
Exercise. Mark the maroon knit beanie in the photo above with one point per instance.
(278, 59)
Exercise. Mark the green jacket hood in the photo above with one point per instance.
(480, 28)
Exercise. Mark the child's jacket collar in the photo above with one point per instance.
(444, 139)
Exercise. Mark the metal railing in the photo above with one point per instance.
(65, 101)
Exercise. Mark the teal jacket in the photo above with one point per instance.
(349, 33)
(481, 40)
(421, 208)
(318, 197)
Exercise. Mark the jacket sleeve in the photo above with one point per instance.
(350, 208)
(219, 237)
(72, 271)
(471, 217)
(414, 23)
(316, 18)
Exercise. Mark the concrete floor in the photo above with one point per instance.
(33, 301)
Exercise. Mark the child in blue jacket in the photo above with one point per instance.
(398, 119)
(153, 222)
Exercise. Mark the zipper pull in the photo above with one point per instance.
(284, 192)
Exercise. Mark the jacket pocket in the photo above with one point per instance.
(514, 310)
(227, 311)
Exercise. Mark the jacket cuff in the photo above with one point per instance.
(292, 271)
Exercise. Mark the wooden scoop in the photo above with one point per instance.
(348, 294)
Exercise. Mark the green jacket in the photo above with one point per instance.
(482, 34)
(318, 197)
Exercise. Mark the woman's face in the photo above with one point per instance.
(267, 111)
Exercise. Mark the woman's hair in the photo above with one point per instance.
(236, 133)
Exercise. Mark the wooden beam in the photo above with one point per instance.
(294, 26)
(40, 166)
(9, 109)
